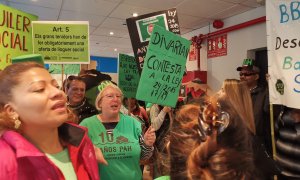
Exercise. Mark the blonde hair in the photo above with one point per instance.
(102, 90)
(238, 94)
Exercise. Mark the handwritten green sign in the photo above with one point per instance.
(128, 75)
(163, 68)
(61, 42)
(15, 34)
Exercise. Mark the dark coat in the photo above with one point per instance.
(261, 106)
(288, 144)
(83, 110)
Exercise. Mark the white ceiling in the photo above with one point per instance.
(110, 15)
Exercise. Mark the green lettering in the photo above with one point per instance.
(287, 64)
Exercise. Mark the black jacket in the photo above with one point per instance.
(261, 106)
(288, 143)
(260, 101)
(83, 110)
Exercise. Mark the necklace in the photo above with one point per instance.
(253, 88)
(77, 106)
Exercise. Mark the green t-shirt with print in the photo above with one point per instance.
(121, 148)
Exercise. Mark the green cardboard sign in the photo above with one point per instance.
(61, 42)
(128, 75)
(15, 34)
(163, 68)
(68, 68)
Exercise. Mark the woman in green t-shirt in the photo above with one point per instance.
(119, 136)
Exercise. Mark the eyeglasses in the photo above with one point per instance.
(210, 118)
(247, 74)
(111, 96)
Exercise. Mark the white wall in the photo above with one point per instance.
(239, 42)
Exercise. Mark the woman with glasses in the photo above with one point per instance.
(77, 102)
(119, 136)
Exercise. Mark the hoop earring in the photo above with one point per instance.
(17, 122)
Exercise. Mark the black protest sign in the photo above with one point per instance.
(140, 29)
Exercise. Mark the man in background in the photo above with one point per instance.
(260, 101)
(75, 90)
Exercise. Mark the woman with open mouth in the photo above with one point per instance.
(39, 141)
(119, 136)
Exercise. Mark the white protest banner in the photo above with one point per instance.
(283, 38)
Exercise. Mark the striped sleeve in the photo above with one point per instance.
(146, 151)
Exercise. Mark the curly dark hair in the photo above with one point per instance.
(223, 155)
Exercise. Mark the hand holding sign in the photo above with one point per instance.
(167, 109)
(149, 136)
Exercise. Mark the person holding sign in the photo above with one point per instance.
(37, 141)
(161, 118)
(119, 136)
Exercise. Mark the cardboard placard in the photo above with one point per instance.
(128, 75)
(140, 29)
(164, 67)
(62, 42)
